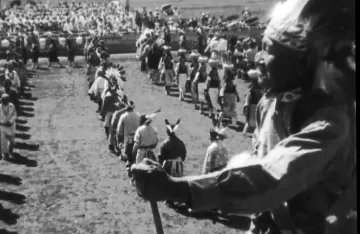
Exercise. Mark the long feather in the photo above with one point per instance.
(169, 128)
(152, 115)
(175, 128)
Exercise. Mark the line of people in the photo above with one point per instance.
(13, 87)
(214, 87)
(131, 135)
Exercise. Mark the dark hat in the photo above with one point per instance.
(146, 119)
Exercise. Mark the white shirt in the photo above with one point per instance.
(128, 124)
(14, 77)
(8, 115)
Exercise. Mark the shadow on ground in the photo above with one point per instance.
(8, 217)
(9, 179)
(21, 160)
(14, 198)
(3, 231)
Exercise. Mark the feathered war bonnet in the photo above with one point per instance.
(320, 30)
(113, 73)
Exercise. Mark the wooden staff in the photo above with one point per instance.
(157, 218)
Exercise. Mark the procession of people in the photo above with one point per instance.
(300, 109)
(301, 175)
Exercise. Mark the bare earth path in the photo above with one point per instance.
(70, 183)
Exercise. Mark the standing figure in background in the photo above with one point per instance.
(199, 80)
(182, 40)
(252, 98)
(193, 68)
(13, 95)
(167, 67)
(212, 87)
(70, 49)
(251, 52)
(223, 48)
(213, 46)
(53, 54)
(7, 126)
(145, 49)
(35, 53)
(217, 155)
(167, 35)
(154, 58)
(200, 46)
(182, 75)
(13, 76)
(228, 96)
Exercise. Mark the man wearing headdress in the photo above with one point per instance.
(7, 126)
(303, 166)
(145, 140)
(216, 156)
(109, 96)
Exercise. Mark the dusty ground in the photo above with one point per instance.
(71, 184)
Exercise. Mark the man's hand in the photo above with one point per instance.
(152, 181)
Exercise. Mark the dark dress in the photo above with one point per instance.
(35, 54)
(53, 54)
(71, 54)
(154, 58)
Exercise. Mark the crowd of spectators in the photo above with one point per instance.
(106, 18)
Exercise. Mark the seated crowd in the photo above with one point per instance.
(101, 18)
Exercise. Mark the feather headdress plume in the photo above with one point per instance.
(114, 73)
(152, 115)
(287, 26)
(146, 119)
(172, 127)
(220, 132)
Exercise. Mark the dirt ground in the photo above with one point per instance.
(63, 178)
